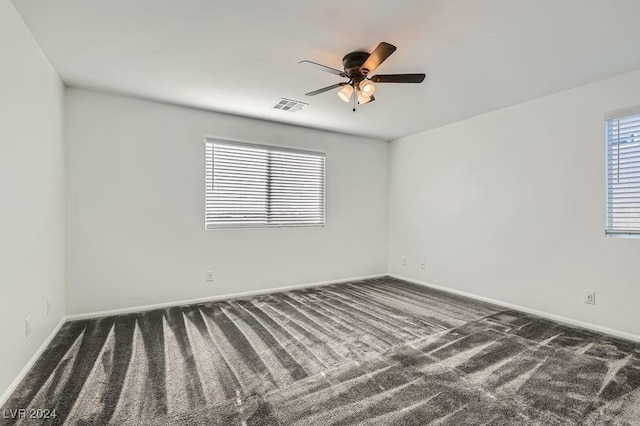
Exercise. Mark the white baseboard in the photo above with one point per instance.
(134, 309)
(554, 317)
(12, 387)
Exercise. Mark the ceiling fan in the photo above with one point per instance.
(357, 68)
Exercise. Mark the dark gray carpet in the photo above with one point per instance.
(380, 351)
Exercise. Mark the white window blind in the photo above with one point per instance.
(260, 186)
(623, 175)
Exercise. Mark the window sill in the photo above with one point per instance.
(625, 236)
(237, 227)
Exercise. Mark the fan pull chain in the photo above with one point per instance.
(355, 98)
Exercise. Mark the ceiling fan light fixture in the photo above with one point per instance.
(367, 88)
(362, 99)
(346, 92)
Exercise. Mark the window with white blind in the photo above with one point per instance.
(623, 175)
(261, 186)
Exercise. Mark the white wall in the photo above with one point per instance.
(31, 193)
(135, 211)
(511, 205)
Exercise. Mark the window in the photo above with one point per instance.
(261, 186)
(623, 175)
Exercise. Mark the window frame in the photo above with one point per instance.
(268, 147)
(615, 115)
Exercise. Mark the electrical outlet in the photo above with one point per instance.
(423, 265)
(48, 307)
(209, 276)
(27, 327)
(590, 297)
(404, 261)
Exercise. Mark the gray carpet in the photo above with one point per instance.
(380, 351)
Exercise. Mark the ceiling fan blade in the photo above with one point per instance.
(326, 89)
(378, 56)
(324, 68)
(398, 78)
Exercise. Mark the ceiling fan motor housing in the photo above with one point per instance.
(352, 63)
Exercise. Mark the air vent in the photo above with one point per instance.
(289, 105)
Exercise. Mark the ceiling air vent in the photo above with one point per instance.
(289, 105)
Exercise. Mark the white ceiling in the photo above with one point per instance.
(241, 56)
